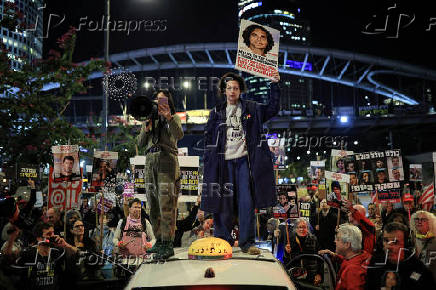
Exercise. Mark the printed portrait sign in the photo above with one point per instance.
(287, 205)
(415, 171)
(103, 168)
(258, 49)
(277, 147)
(66, 162)
(64, 195)
(378, 170)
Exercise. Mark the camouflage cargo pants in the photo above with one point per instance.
(162, 186)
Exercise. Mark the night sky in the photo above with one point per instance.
(335, 24)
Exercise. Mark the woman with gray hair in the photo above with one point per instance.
(352, 274)
(423, 227)
(301, 241)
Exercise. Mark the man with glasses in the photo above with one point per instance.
(399, 257)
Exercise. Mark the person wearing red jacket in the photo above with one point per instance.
(357, 217)
(354, 261)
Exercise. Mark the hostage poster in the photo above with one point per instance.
(287, 206)
(103, 168)
(277, 148)
(337, 187)
(317, 169)
(378, 170)
(341, 161)
(64, 195)
(258, 49)
(66, 163)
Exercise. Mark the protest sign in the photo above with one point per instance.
(66, 163)
(415, 171)
(189, 174)
(27, 171)
(103, 168)
(64, 194)
(258, 49)
(287, 206)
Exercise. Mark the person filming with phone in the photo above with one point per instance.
(159, 135)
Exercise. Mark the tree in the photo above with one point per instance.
(30, 116)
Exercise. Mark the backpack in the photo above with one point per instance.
(144, 228)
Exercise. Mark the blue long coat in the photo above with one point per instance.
(216, 192)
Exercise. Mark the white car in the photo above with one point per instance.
(242, 271)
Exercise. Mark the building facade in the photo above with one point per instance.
(21, 31)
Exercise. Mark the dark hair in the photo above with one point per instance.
(68, 157)
(230, 76)
(40, 227)
(170, 99)
(394, 226)
(247, 32)
(132, 201)
(335, 184)
(340, 159)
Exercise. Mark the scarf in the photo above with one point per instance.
(428, 235)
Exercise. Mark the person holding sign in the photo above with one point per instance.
(159, 136)
(237, 160)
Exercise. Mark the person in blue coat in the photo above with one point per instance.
(238, 168)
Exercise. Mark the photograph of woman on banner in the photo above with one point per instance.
(365, 177)
(340, 165)
(159, 136)
(258, 39)
(380, 163)
(353, 179)
(364, 165)
(381, 176)
(350, 167)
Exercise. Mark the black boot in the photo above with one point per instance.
(165, 251)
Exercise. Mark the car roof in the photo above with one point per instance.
(241, 269)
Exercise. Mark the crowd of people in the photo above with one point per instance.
(380, 247)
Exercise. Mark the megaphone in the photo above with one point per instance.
(142, 107)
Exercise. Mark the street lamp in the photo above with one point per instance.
(186, 86)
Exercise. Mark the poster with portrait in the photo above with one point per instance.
(66, 163)
(415, 172)
(339, 159)
(317, 169)
(258, 49)
(336, 187)
(277, 147)
(287, 206)
(395, 168)
(379, 170)
(63, 195)
(103, 168)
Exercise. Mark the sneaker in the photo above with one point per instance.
(252, 250)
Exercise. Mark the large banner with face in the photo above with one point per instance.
(64, 195)
(103, 168)
(258, 49)
(379, 170)
(66, 163)
(340, 160)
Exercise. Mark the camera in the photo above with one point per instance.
(143, 107)
(52, 240)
